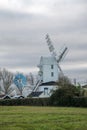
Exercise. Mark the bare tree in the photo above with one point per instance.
(65, 84)
(0, 89)
(30, 79)
(6, 79)
(64, 81)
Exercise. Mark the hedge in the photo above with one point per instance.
(79, 102)
(68, 101)
(25, 102)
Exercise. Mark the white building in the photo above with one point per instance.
(48, 75)
(48, 69)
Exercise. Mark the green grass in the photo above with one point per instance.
(42, 118)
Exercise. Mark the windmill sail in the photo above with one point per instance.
(51, 47)
(54, 54)
(62, 54)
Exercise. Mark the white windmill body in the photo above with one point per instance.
(49, 70)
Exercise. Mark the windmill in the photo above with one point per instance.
(54, 54)
(20, 82)
(47, 71)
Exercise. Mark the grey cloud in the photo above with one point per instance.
(79, 74)
(27, 2)
(22, 40)
(11, 15)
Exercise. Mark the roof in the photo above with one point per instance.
(85, 86)
(6, 97)
(18, 97)
(48, 83)
(35, 94)
(47, 60)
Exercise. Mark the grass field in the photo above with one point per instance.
(42, 118)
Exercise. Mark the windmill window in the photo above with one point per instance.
(45, 91)
(52, 66)
(52, 74)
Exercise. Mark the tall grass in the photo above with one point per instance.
(42, 118)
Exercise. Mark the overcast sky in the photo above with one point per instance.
(24, 24)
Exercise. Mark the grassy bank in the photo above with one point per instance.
(42, 118)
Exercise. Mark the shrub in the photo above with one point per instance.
(64, 97)
(25, 101)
